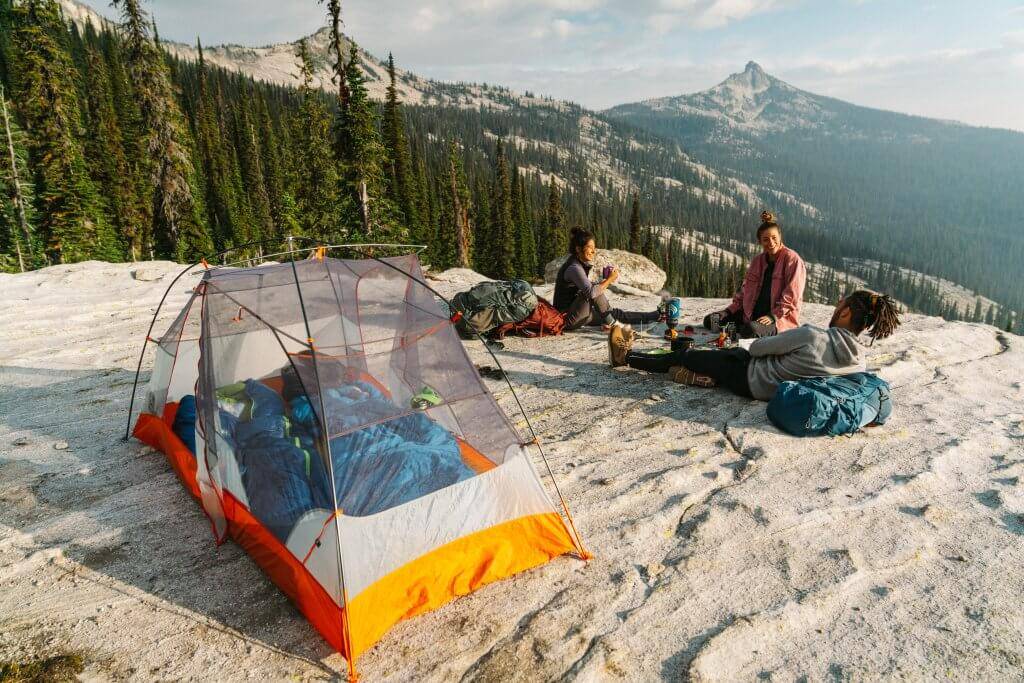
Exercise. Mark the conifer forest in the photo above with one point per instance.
(113, 149)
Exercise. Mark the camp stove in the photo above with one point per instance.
(672, 310)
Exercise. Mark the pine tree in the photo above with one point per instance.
(313, 176)
(337, 49)
(451, 246)
(425, 205)
(634, 226)
(648, 249)
(17, 213)
(253, 180)
(483, 230)
(555, 242)
(525, 244)
(72, 220)
(401, 190)
(273, 171)
(501, 259)
(105, 148)
(363, 157)
(177, 229)
(129, 119)
(225, 213)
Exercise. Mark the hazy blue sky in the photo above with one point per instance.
(961, 59)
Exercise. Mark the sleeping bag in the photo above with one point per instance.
(385, 464)
(184, 425)
(281, 469)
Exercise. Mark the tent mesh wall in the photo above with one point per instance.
(331, 389)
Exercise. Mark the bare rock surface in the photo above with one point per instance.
(635, 271)
(724, 550)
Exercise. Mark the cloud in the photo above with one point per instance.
(973, 85)
(563, 28)
(605, 52)
(709, 14)
(426, 19)
(1014, 39)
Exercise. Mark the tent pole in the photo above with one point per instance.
(152, 323)
(142, 353)
(583, 552)
(345, 625)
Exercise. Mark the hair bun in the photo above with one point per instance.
(767, 217)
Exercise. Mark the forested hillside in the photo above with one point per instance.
(120, 151)
(149, 156)
(939, 197)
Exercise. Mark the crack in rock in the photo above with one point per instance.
(476, 670)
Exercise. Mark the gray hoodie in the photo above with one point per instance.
(806, 351)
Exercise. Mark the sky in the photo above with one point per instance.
(958, 59)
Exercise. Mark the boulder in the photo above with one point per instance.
(635, 270)
(148, 273)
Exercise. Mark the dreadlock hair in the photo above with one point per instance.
(876, 313)
(767, 223)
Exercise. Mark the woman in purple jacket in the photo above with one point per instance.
(583, 302)
(769, 300)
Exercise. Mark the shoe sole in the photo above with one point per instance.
(692, 379)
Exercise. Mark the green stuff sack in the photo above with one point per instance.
(490, 305)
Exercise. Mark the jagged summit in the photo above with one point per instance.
(753, 73)
(751, 99)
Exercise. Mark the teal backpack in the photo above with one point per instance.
(491, 304)
(830, 406)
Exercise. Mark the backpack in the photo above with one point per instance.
(545, 320)
(491, 304)
(830, 406)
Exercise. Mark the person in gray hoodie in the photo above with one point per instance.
(803, 352)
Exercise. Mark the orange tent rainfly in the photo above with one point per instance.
(325, 415)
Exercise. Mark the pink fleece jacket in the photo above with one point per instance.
(788, 281)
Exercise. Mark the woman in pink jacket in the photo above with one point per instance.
(769, 300)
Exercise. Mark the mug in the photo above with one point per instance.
(682, 343)
(606, 272)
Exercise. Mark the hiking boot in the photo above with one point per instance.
(682, 375)
(620, 341)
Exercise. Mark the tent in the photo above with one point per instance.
(344, 439)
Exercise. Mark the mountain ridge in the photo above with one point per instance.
(750, 142)
(891, 180)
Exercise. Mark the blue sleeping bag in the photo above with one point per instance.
(375, 468)
(385, 464)
(281, 469)
(184, 425)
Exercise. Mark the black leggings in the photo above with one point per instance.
(728, 367)
(583, 311)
